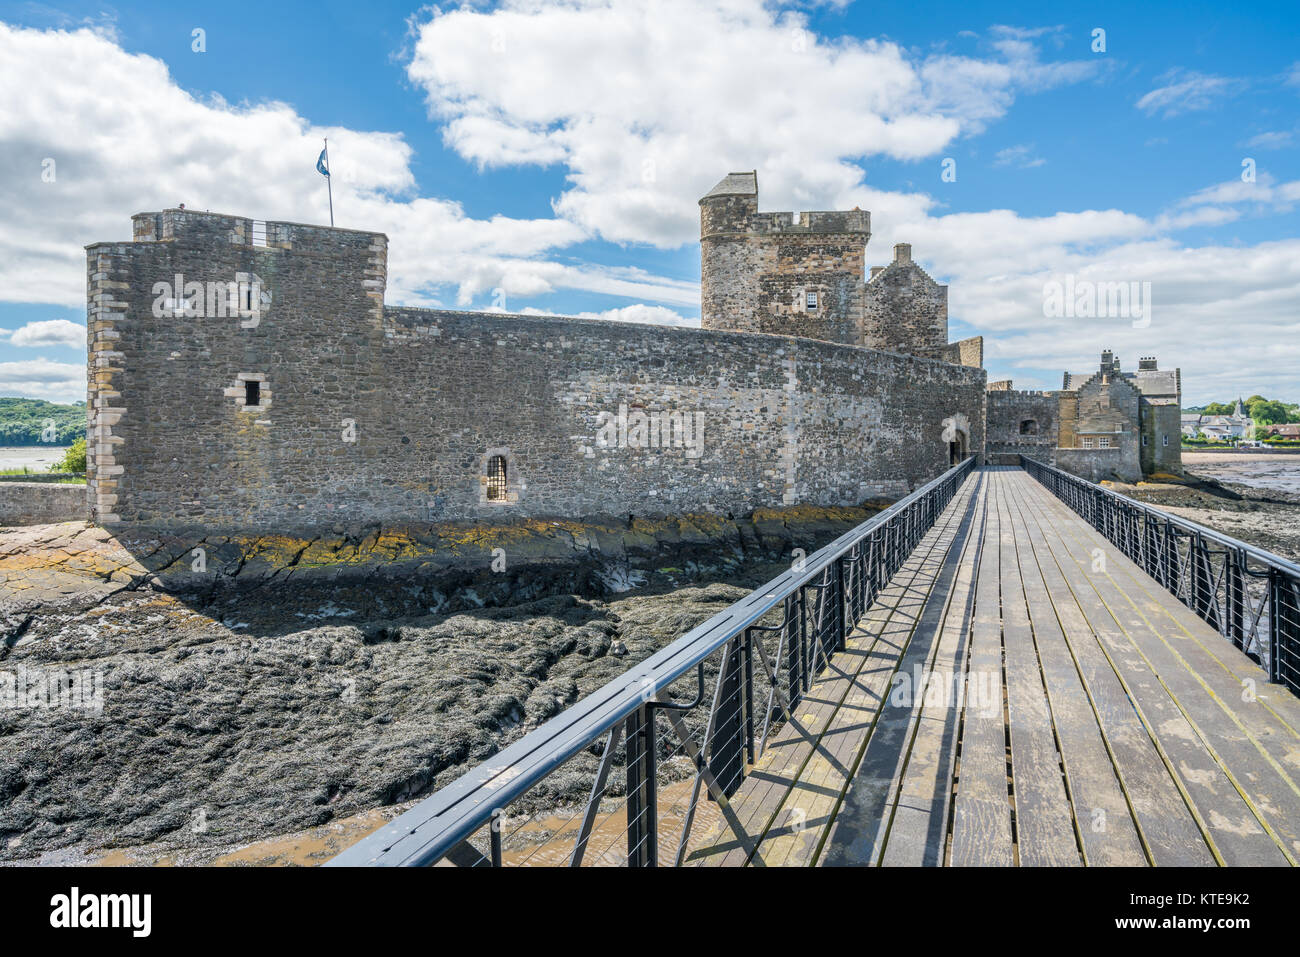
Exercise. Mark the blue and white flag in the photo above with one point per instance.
(320, 165)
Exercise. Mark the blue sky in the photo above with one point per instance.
(506, 148)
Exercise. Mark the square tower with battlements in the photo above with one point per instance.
(803, 274)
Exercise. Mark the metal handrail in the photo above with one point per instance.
(438, 825)
(1207, 570)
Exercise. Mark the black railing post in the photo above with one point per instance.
(1275, 606)
(642, 804)
(749, 694)
(727, 747)
(1202, 581)
(494, 838)
(1236, 585)
(1284, 629)
(795, 637)
(841, 611)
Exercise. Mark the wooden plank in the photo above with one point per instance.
(918, 825)
(1045, 834)
(1270, 711)
(1170, 831)
(861, 821)
(761, 797)
(814, 797)
(1227, 775)
(981, 827)
(1103, 819)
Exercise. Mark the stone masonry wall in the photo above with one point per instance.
(174, 440)
(39, 503)
(1008, 413)
(366, 414)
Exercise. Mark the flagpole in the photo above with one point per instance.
(329, 180)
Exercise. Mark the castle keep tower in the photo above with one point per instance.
(767, 272)
(804, 276)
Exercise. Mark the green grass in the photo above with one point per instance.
(43, 476)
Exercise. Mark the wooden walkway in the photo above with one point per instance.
(1022, 694)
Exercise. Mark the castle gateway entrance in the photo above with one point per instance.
(956, 432)
(957, 449)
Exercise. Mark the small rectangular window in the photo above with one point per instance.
(252, 393)
(1144, 439)
(1164, 440)
(1087, 442)
(1103, 442)
(811, 300)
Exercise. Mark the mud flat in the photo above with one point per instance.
(1279, 471)
(303, 692)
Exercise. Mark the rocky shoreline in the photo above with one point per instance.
(292, 696)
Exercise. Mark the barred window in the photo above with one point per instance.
(1103, 442)
(1087, 441)
(810, 301)
(496, 479)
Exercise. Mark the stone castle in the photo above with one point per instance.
(247, 375)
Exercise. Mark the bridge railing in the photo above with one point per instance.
(684, 726)
(1250, 596)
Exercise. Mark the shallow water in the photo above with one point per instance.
(38, 458)
(1266, 470)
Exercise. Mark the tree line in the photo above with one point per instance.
(38, 422)
(1263, 411)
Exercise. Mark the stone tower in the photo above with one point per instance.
(778, 273)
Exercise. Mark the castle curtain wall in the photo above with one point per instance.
(367, 414)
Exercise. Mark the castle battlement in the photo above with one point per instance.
(201, 227)
(852, 222)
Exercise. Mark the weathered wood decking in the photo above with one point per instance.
(1022, 694)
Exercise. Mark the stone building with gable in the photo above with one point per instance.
(1107, 424)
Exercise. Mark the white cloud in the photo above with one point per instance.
(1186, 90)
(1021, 156)
(47, 332)
(44, 379)
(1271, 140)
(670, 95)
(638, 313)
(123, 137)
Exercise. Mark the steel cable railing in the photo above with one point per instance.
(748, 665)
(1250, 596)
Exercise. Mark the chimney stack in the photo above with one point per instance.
(902, 252)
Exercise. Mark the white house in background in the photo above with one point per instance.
(1221, 428)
